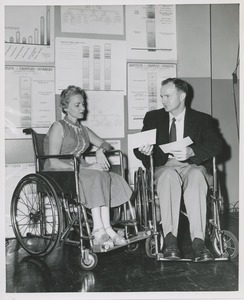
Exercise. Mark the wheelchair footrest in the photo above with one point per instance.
(124, 222)
(161, 258)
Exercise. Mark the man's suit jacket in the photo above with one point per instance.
(200, 127)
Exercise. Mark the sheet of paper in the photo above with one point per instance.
(152, 32)
(29, 99)
(142, 138)
(91, 64)
(167, 148)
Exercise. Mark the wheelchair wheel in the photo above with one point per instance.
(89, 261)
(230, 244)
(36, 215)
(132, 248)
(150, 244)
(141, 205)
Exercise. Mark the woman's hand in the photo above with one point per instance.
(102, 159)
(98, 167)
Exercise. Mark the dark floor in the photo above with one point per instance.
(117, 271)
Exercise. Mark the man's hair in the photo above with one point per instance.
(180, 84)
(71, 90)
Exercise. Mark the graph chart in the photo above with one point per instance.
(39, 34)
(29, 33)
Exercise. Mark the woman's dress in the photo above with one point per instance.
(97, 188)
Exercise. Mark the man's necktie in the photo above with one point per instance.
(172, 133)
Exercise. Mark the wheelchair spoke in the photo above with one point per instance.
(35, 212)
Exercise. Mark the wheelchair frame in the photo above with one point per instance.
(224, 242)
(44, 213)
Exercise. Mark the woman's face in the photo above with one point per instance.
(76, 107)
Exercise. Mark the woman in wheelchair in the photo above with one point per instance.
(99, 188)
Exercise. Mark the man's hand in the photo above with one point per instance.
(146, 149)
(183, 153)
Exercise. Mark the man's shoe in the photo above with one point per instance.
(202, 255)
(171, 253)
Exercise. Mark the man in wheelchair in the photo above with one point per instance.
(183, 171)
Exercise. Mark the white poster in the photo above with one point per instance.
(90, 64)
(105, 114)
(144, 82)
(90, 19)
(29, 99)
(151, 32)
(29, 34)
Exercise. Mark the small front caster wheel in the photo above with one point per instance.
(132, 248)
(230, 244)
(88, 261)
(150, 245)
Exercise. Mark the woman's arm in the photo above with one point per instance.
(55, 143)
(102, 146)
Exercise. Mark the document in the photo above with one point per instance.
(142, 138)
(167, 148)
(93, 19)
(144, 81)
(151, 34)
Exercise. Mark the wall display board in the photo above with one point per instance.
(90, 64)
(32, 40)
(13, 174)
(151, 32)
(90, 19)
(144, 82)
(29, 99)
(105, 114)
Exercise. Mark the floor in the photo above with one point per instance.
(117, 271)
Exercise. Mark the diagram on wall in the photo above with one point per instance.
(144, 89)
(90, 64)
(151, 32)
(89, 19)
(29, 34)
(30, 99)
(106, 114)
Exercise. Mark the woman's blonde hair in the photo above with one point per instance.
(65, 95)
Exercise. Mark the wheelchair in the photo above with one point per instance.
(224, 243)
(46, 209)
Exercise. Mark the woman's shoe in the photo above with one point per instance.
(117, 239)
(102, 239)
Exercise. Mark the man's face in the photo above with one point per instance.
(172, 99)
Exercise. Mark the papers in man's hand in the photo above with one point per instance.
(142, 138)
(168, 148)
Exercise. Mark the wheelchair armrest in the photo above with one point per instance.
(92, 153)
(65, 156)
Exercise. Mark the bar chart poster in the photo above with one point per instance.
(29, 34)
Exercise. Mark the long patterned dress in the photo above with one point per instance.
(97, 188)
